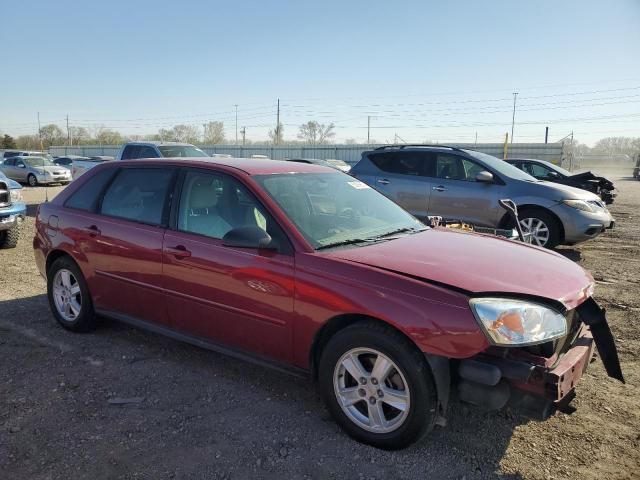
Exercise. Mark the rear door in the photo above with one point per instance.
(405, 177)
(123, 243)
(456, 195)
(239, 297)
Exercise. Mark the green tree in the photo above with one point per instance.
(8, 142)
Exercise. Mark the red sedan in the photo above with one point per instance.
(308, 269)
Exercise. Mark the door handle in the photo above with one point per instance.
(93, 231)
(179, 251)
(439, 188)
(383, 181)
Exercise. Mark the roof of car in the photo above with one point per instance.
(159, 143)
(251, 166)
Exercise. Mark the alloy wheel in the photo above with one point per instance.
(371, 390)
(31, 179)
(67, 295)
(535, 231)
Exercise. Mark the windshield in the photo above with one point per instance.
(501, 166)
(38, 162)
(181, 151)
(558, 169)
(330, 209)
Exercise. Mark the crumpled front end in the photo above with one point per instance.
(540, 379)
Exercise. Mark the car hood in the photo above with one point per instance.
(559, 192)
(589, 176)
(50, 169)
(476, 264)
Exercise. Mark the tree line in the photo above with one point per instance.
(211, 133)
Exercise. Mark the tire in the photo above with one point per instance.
(9, 238)
(530, 218)
(80, 316)
(410, 378)
(32, 180)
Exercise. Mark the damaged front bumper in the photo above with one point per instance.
(538, 385)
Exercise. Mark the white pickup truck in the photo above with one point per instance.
(135, 150)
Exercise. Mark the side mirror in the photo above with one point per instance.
(484, 177)
(248, 237)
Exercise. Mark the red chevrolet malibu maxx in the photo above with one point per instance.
(304, 267)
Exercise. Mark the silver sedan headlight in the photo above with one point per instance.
(514, 322)
(16, 195)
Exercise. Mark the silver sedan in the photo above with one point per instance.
(35, 171)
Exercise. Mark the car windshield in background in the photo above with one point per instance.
(38, 162)
(560, 170)
(332, 209)
(501, 166)
(181, 151)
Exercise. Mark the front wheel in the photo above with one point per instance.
(540, 228)
(9, 238)
(378, 386)
(32, 180)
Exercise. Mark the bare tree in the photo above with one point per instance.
(106, 136)
(315, 133)
(79, 135)
(213, 133)
(277, 137)
(28, 142)
(617, 145)
(51, 135)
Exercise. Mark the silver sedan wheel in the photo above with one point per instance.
(535, 231)
(371, 390)
(67, 295)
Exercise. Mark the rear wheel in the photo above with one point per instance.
(69, 297)
(377, 386)
(32, 180)
(9, 238)
(540, 228)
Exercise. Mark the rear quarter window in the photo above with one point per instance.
(86, 197)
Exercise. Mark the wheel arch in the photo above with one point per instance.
(55, 255)
(439, 366)
(504, 221)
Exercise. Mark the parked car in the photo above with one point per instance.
(67, 160)
(26, 153)
(35, 171)
(466, 185)
(137, 150)
(550, 172)
(636, 169)
(307, 269)
(12, 211)
(332, 163)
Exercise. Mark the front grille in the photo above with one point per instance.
(5, 195)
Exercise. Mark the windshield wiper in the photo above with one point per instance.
(349, 241)
(400, 230)
(376, 238)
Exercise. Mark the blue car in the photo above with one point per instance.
(12, 211)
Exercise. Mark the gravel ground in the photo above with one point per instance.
(124, 403)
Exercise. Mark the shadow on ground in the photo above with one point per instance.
(192, 413)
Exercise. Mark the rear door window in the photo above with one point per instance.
(86, 197)
(130, 151)
(139, 194)
(417, 164)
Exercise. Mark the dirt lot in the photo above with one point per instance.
(197, 414)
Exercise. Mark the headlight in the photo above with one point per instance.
(580, 205)
(517, 322)
(16, 195)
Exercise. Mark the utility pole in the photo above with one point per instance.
(513, 118)
(277, 139)
(68, 132)
(476, 142)
(204, 133)
(243, 131)
(571, 157)
(368, 129)
(546, 135)
(236, 105)
(40, 132)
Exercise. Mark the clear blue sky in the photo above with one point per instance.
(423, 70)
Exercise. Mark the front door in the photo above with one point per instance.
(239, 297)
(456, 195)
